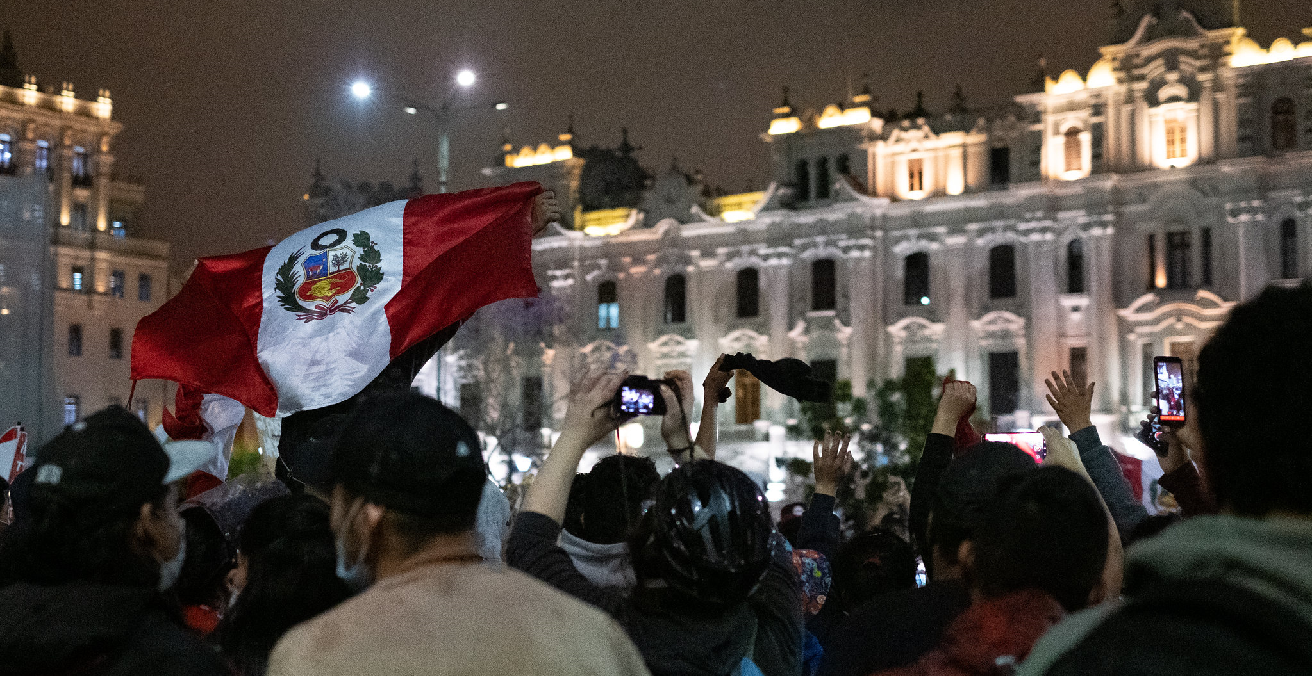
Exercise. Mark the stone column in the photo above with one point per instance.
(1044, 324)
(1143, 149)
(62, 159)
(1103, 324)
(1206, 119)
(775, 288)
(949, 280)
(861, 274)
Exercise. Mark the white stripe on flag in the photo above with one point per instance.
(331, 347)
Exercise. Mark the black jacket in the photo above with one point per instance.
(893, 630)
(78, 629)
(671, 639)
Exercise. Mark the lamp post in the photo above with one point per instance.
(441, 113)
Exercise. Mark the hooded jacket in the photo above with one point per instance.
(989, 637)
(606, 566)
(83, 628)
(1210, 595)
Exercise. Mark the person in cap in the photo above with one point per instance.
(81, 574)
(710, 598)
(408, 476)
(896, 629)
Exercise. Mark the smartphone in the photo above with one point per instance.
(1169, 372)
(1030, 442)
(640, 395)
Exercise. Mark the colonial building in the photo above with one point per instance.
(82, 283)
(1113, 216)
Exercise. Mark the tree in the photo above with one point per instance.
(509, 337)
(891, 437)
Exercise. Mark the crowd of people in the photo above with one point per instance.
(406, 559)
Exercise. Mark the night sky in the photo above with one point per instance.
(226, 105)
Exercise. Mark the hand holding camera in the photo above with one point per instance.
(591, 407)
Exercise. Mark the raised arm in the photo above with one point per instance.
(715, 391)
(1073, 402)
(958, 400)
(832, 463)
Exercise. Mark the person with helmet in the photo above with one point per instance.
(710, 597)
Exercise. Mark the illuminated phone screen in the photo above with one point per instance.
(636, 401)
(1170, 391)
(1030, 442)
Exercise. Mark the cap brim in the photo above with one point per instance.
(187, 456)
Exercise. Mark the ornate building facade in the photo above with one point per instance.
(73, 284)
(1109, 218)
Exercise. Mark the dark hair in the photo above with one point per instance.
(574, 507)
(1252, 400)
(291, 577)
(203, 579)
(967, 490)
(1046, 530)
(612, 499)
(870, 564)
(62, 539)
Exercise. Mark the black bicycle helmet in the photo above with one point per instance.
(707, 535)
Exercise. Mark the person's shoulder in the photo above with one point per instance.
(162, 646)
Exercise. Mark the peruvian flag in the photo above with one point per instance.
(309, 322)
(13, 453)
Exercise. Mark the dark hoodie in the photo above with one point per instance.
(83, 628)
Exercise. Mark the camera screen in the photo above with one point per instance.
(1170, 391)
(636, 401)
(1030, 442)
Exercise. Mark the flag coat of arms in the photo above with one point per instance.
(309, 322)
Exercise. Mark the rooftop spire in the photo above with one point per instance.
(10, 74)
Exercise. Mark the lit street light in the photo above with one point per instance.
(466, 78)
(361, 89)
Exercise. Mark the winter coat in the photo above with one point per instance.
(83, 628)
(893, 629)
(991, 637)
(1209, 595)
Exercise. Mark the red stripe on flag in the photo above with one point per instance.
(462, 251)
(204, 337)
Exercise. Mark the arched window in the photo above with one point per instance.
(1289, 249)
(608, 306)
(1074, 150)
(1075, 266)
(824, 294)
(676, 299)
(749, 293)
(1284, 124)
(1177, 139)
(802, 177)
(916, 174)
(1002, 271)
(822, 180)
(915, 279)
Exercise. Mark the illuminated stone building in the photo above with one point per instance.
(1112, 216)
(83, 283)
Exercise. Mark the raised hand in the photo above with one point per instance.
(1062, 452)
(715, 386)
(832, 462)
(590, 417)
(1071, 399)
(678, 410)
(546, 209)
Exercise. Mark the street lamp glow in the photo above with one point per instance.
(411, 110)
(361, 89)
(466, 78)
(502, 105)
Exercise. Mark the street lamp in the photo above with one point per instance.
(442, 113)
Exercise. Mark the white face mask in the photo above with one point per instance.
(357, 575)
(171, 569)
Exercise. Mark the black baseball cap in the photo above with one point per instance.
(408, 452)
(112, 458)
(970, 483)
